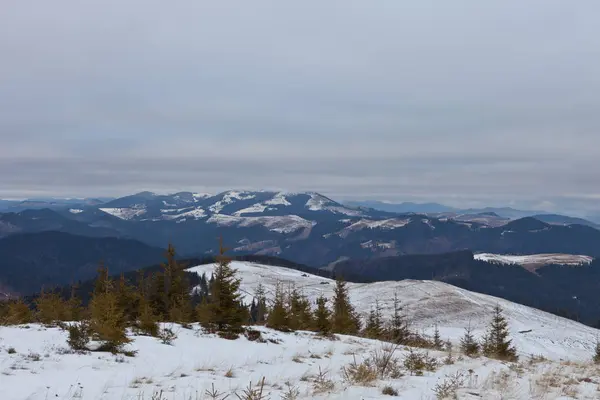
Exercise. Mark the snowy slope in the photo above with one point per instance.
(41, 368)
(36, 364)
(536, 259)
(429, 303)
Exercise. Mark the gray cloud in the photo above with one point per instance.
(468, 103)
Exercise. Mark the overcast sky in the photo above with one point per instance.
(466, 103)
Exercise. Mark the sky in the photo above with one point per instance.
(466, 103)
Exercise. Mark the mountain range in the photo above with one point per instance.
(308, 228)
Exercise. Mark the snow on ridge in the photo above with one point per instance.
(125, 213)
(278, 200)
(229, 198)
(430, 303)
(256, 208)
(549, 258)
(196, 213)
(319, 202)
(75, 211)
(280, 224)
(392, 223)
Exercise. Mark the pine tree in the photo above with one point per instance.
(345, 319)
(399, 332)
(128, 299)
(18, 313)
(597, 352)
(107, 318)
(374, 326)
(299, 312)
(157, 295)
(51, 308)
(147, 321)
(322, 317)
(73, 305)
(468, 344)
(177, 296)
(278, 315)
(496, 343)
(438, 344)
(261, 305)
(224, 311)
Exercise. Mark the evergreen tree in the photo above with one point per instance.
(107, 318)
(597, 352)
(345, 319)
(147, 321)
(177, 292)
(299, 312)
(51, 308)
(322, 317)
(260, 314)
(18, 313)
(398, 331)
(73, 305)
(157, 295)
(278, 315)
(496, 343)
(468, 344)
(224, 311)
(128, 299)
(438, 344)
(374, 326)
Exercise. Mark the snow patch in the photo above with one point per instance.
(75, 211)
(229, 198)
(281, 224)
(278, 200)
(551, 258)
(124, 213)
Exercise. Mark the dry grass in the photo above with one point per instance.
(230, 373)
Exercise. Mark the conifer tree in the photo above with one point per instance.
(322, 317)
(345, 319)
(597, 352)
(438, 344)
(278, 315)
(496, 343)
(50, 307)
(107, 318)
(261, 308)
(178, 297)
(147, 321)
(18, 313)
(73, 305)
(468, 344)
(398, 331)
(299, 312)
(157, 295)
(224, 311)
(128, 299)
(374, 326)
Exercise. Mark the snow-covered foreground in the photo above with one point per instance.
(430, 303)
(536, 259)
(40, 368)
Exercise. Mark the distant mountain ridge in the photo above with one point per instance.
(307, 228)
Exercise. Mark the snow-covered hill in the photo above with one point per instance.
(36, 364)
(535, 259)
(430, 303)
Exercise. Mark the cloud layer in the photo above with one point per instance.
(463, 102)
